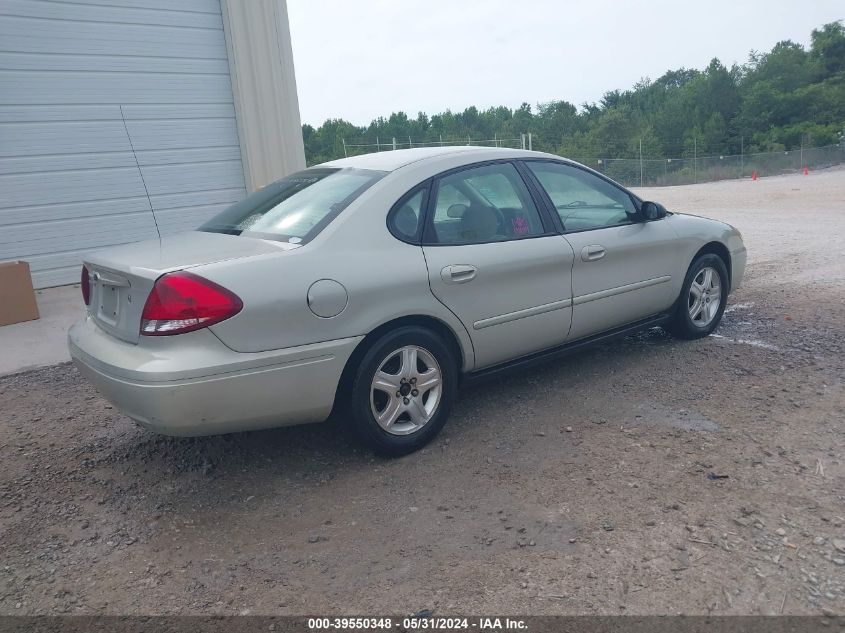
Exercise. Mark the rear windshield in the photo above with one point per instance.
(296, 208)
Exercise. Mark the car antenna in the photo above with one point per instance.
(138, 165)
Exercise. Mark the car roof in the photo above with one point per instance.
(391, 160)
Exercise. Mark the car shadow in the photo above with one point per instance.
(184, 472)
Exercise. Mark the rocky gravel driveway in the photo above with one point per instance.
(646, 476)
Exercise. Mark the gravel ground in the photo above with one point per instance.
(646, 476)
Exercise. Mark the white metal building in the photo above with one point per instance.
(203, 90)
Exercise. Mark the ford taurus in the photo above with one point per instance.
(374, 285)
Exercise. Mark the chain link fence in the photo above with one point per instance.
(647, 172)
(355, 149)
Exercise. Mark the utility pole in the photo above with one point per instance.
(378, 147)
(410, 145)
(522, 139)
(695, 158)
(345, 155)
(529, 142)
(394, 143)
(641, 162)
(441, 140)
(801, 166)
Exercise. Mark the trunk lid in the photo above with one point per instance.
(123, 276)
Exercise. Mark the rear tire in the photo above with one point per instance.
(703, 298)
(402, 391)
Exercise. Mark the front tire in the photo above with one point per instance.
(703, 298)
(402, 390)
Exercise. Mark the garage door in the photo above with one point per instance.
(81, 84)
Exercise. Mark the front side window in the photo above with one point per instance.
(484, 204)
(583, 201)
(296, 208)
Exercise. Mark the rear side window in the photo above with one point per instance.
(483, 204)
(448, 196)
(296, 208)
(405, 218)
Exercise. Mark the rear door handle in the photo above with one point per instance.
(458, 274)
(592, 252)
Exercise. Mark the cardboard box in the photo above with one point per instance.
(17, 298)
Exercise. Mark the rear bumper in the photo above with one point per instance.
(192, 384)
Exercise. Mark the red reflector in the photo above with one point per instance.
(85, 284)
(183, 302)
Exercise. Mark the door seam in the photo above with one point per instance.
(436, 298)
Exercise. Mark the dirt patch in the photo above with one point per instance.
(647, 476)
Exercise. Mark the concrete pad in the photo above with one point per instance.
(42, 342)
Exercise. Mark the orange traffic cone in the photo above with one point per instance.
(806, 171)
(754, 175)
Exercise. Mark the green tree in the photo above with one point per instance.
(777, 100)
(828, 48)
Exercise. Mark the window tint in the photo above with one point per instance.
(582, 200)
(405, 217)
(296, 207)
(484, 204)
(448, 196)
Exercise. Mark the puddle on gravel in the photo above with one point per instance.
(741, 325)
(739, 306)
(653, 414)
(752, 342)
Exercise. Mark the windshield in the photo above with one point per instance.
(296, 208)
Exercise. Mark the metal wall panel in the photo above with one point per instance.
(68, 179)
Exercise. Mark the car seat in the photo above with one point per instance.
(479, 224)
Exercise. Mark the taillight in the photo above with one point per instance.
(85, 284)
(183, 302)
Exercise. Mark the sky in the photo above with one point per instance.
(360, 59)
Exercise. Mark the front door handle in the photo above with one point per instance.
(458, 274)
(592, 252)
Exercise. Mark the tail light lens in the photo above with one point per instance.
(85, 284)
(183, 302)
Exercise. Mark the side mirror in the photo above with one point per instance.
(456, 210)
(652, 211)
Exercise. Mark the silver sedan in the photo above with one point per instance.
(373, 286)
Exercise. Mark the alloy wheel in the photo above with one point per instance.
(705, 296)
(406, 390)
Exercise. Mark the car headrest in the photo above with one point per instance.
(479, 224)
(456, 210)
